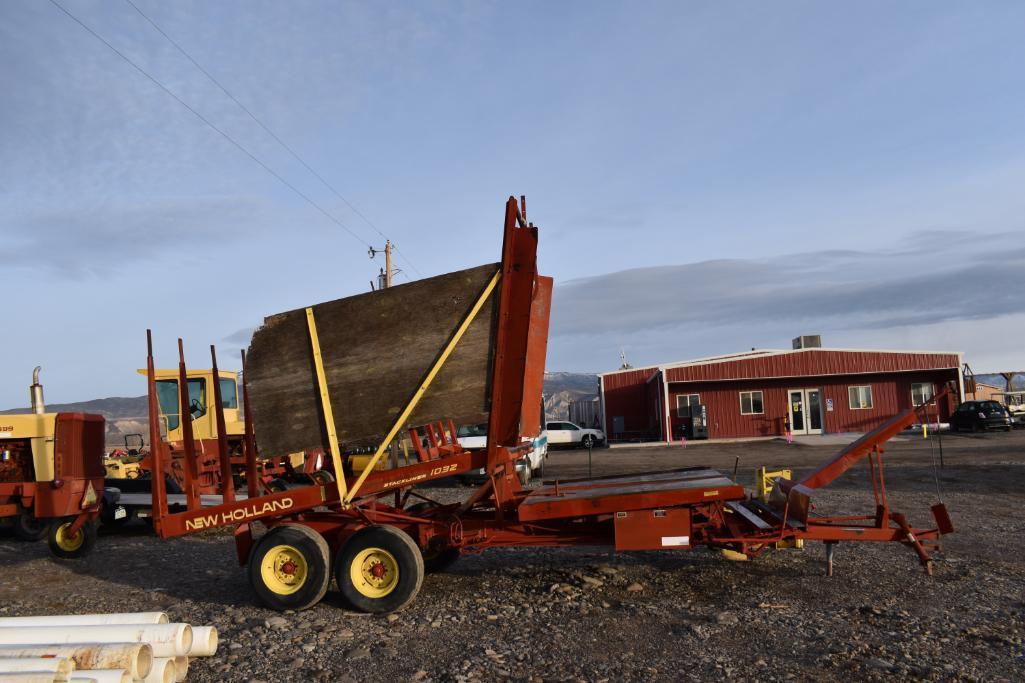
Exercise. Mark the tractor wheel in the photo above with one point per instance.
(28, 528)
(322, 478)
(289, 567)
(277, 485)
(68, 546)
(379, 569)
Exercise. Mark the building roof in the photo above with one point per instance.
(780, 362)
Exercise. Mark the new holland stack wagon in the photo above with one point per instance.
(376, 534)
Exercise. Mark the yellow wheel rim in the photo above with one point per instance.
(374, 572)
(284, 569)
(69, 542)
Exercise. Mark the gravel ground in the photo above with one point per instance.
(590, 614)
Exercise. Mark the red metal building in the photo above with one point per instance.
(756, 393)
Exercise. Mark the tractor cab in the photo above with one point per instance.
(201, 402)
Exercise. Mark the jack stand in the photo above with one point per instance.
(830, 547)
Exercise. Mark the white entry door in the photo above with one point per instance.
(805, 410)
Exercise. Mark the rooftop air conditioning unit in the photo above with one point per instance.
(808, 341)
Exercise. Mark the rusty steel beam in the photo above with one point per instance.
(158, 486)
(248, 441)
(189, 443)
(227, 477)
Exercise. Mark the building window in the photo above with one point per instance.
(684, 402)
(751, 403)
(860, 397)
(921, 393)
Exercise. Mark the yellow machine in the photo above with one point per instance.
(122, 467)
(51, 474)
(765, 483)
(201, 398)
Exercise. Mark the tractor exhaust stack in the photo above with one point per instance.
(35, 393)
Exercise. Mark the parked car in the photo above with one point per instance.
(980, 415)
(569, 434)
(475, 437)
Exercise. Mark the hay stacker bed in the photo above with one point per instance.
(376, 534)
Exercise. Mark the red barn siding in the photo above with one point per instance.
(890, 395)
(637, 396)
(626, 395)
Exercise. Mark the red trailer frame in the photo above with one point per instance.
(378, 545)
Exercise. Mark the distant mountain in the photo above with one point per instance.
(562, 388)
(124, 415)
(110, 408)
(996, 380)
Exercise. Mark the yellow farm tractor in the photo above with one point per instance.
(51, 475)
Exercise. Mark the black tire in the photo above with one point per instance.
(588, 441)
(299, 587)
(277, 485)
(28, 528)
(385, 549)
(65, 547)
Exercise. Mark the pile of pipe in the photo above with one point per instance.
(105, 648)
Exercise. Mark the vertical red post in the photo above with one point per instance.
(537, 349)
(156, 444)
(185, 417)
(248, 443)
(227, 479)
(519, 271)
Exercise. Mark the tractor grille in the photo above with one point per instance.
(78, 446)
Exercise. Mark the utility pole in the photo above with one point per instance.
(384, 278)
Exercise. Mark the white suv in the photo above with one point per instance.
(567, 433)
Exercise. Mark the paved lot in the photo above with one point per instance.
(588, 614)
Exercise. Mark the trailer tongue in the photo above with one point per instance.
(377, 535)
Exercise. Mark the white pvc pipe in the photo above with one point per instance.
(101, 676)
(136, 658)
(162, 671)
(181, 668)
(26, 677)
(87, 619)
(204, 641)
(61, 667)
(167, 640)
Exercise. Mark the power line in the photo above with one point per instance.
(266, 129)
(207, 121)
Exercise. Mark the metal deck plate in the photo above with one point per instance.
(628, 492)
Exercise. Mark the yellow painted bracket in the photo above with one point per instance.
(404, 415)
(325, 404)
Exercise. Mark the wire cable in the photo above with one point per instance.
(266, 129)
(209, 123)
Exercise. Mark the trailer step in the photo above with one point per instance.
(740, 507)
(766, 510)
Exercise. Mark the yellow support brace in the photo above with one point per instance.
(460, 331)
(325, 403)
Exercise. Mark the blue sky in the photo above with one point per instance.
(707, 176)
